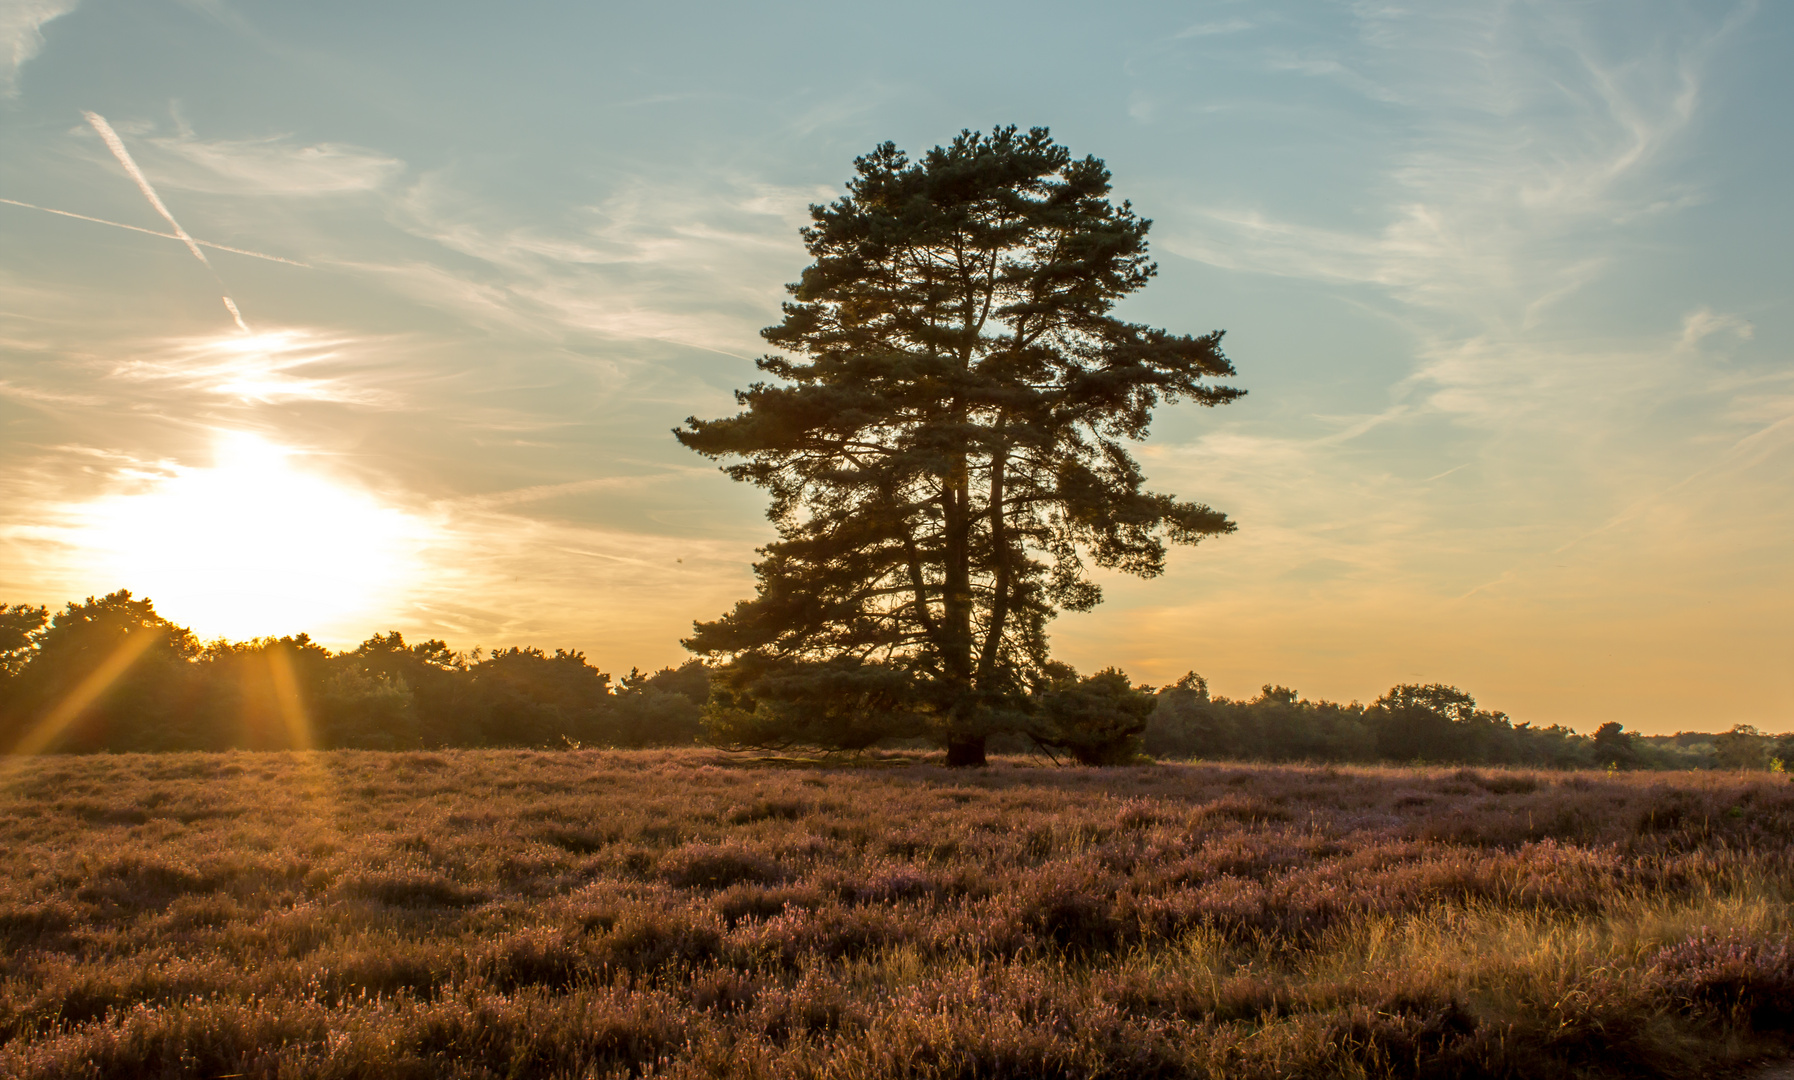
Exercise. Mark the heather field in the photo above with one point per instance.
(487, 913)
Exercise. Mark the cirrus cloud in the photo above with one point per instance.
(270, 166)
(22, 35)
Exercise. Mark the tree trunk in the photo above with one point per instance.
(956, 592)
(966, 751)
(999, 544)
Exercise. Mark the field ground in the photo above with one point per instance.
(688, 913)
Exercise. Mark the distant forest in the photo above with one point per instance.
(110, 674)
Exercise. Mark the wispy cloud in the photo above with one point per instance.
(272, 166)
(41, 396)
(1512, 150)
(22, 37)
(1704, 322)
(625, 596)
(272, 366)
(680, 262)
(1533, 459)
(1215, 28)
(541, 492)
(1523, 168)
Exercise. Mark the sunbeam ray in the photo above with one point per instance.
(76, 702)
(287, 699)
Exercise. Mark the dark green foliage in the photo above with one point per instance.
(370, 712)
(377, 679)
(650, 718)
(949, 450)
(255, 695)
(1743, 747)
(19, 626)
(111, 674)
(845, 703)
(1615, 746)
(1434, 723)
(104, 674)
(690, 680)
(1411, 723)
(1275, 726)
(531, 697)
(1098, 719)
(662, 709)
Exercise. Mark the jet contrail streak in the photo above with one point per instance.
(231, 306)
(155, 232)
(117, 146)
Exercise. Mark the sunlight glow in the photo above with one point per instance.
(255, 367)
(255, 546)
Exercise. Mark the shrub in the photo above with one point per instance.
(1731, 973)
(718, 866)
(1098, 719)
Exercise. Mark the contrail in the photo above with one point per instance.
(231, 305)
(117, 146)
(163, 235)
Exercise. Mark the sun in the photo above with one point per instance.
(256, 545)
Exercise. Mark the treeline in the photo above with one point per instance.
(1422, 724)
(112, 674)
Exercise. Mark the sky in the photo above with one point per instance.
(348, 317)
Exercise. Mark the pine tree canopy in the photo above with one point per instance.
(945, 444)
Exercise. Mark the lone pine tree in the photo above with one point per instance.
(948, 452)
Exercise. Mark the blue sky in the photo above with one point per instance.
(1509, 285)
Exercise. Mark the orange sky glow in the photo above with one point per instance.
(304, 330)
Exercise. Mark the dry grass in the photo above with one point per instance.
(511, 913)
